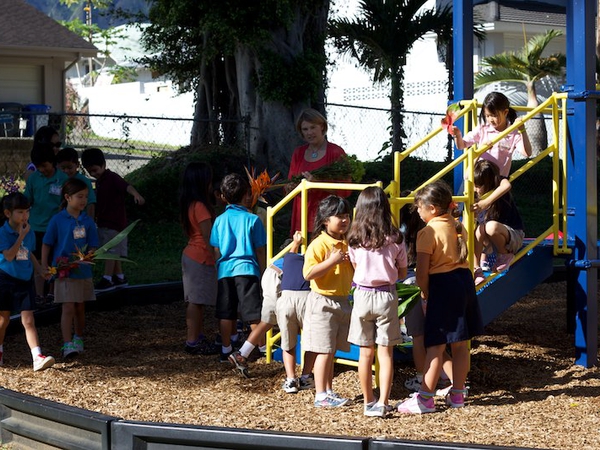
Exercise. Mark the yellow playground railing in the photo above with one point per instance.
(302, 189)
(556, 106)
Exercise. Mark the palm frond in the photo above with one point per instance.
(537, 44)
(488, 76)
(524, 66)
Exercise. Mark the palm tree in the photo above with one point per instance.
(381, 37)
(526, 66)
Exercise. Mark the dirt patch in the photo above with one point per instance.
(525, 390)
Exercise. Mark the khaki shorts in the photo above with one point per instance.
(290, 317)
(73, 290)
(515, 240)
(106, 234)
(374, 318)
(271, 290)
(326, 323)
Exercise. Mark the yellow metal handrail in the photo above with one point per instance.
(302, 189)
(556, 105)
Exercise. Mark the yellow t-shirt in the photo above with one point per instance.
(338, 280)
(439, 239)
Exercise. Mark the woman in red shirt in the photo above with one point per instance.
(317, 153)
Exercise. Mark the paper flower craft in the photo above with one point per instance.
(64, 265)
(451, 115)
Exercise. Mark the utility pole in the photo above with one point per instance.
(88, 21)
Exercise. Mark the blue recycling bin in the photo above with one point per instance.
(37, 116)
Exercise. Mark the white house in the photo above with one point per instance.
(508, 24)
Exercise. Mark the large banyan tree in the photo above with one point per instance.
(260, 61)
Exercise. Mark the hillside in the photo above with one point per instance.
(57, 11)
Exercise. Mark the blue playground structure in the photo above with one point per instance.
(581, 205)
(573, 152)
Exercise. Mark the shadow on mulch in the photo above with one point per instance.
(525, 390)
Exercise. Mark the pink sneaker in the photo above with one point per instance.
(455, 399)
(417, 405)
(503, 261)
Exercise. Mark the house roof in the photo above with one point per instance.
(535, 13)
(25, 27)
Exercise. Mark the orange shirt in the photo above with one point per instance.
(439, 239)
(197, 249)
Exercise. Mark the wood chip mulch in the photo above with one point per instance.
(525, 390)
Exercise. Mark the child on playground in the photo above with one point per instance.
(17, 263)
(67, 160)
(198, 269)
(496, 115)
(291, 309)
(239, 240)
(284, 296)
(501, 225)
(71, 231)
(270, 283)
(448, 297)
(327, 316)
(111, 217)
(378, 254)
(42, 189)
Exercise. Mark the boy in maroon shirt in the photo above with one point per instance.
(111, 219)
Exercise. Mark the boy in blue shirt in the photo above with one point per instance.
(239, 239)
(43, 192)
(67, 160)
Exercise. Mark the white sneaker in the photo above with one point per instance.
(290, 386)
(41, 362)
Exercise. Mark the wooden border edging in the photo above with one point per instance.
(31, 422)
(376, 444)
(144, 435)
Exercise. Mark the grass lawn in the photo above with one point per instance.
(155, 249)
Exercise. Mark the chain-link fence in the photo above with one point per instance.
(128, 142)
(366, 132)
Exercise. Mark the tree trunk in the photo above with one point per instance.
(270, 136)
(536, 126)
(397, 114)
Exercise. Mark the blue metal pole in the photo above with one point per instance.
(582, 195)
(462, 32)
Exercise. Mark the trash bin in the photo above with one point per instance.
(37, 116)
(10, 113)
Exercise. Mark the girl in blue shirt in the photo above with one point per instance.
(69, 232)
(17, 243)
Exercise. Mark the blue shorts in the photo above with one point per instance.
(239, 293)
(453, 313)
(16, 295)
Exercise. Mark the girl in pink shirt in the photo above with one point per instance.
(496, 115)
(377, 252)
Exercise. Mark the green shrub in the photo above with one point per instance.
(158, 181)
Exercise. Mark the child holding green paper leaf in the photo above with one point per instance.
(71, 232)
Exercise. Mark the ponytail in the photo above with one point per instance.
(511, 116)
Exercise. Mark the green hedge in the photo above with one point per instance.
(158, 240)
